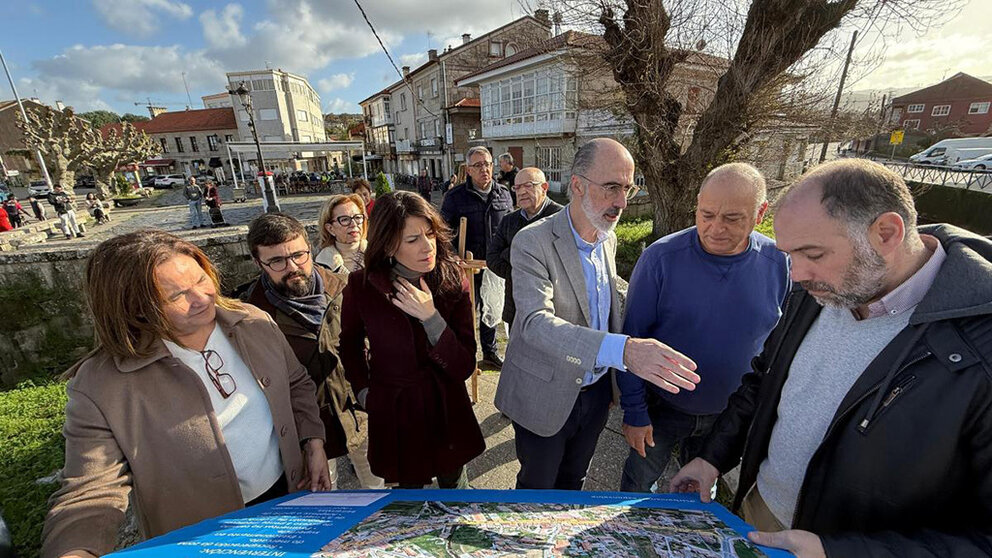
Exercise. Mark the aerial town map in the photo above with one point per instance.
(428, 529)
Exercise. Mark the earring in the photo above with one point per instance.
(392, 261)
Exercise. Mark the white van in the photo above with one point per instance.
(950, 151)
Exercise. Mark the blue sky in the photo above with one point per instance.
(109, 54)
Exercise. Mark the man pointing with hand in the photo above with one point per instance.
(556, 384)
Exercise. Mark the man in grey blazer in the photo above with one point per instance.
(556, 384)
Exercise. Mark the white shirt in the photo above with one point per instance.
(244, 417)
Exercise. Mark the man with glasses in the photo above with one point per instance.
(713, 291)
(305, 301)
(532, 196)
(483, 203)
(556, 385)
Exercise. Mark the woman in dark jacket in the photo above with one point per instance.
(411, 302)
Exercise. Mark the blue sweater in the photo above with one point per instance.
(717, 310)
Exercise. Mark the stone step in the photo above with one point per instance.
(27, 239)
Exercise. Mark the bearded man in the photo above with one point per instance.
(865, 428)
(558, 381)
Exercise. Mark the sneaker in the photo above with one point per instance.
(493, 360)
(68, 237)
(79, 235)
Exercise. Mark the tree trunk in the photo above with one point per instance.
(104, 186)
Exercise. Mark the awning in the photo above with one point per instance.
(157, 163)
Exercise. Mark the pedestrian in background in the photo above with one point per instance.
(65, 208)
(37, 208)
(194, 197)
(211, 196)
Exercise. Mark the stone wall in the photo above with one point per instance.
(46, 325)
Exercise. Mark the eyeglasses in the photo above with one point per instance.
(482, 165)
(346, 220)
(615, 190)
(526, 185)
(223, 381)
(280, 263)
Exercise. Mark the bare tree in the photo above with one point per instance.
(65, 141)
(766, 54)
(130, 145)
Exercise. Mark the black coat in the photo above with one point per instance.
(483, 215)
(498, 256)
(907, 474)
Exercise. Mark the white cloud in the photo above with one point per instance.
(337, 81)
(223, 30)
(414, 59)
(140, 17)
(339, 105)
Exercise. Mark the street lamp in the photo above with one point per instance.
(244, 95)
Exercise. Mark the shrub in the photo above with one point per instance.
(381, 185)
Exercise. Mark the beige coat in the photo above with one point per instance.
(148, 424)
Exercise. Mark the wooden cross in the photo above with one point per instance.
(470, 267)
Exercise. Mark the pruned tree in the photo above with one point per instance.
(767, 54)
(65, 141)
(128, 146)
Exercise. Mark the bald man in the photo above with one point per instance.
(712, 292)
(531, 189)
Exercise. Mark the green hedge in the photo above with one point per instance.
(31, 419)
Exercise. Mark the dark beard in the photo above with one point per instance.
(863, 282)
(297, 288)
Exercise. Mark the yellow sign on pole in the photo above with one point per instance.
(896, 137)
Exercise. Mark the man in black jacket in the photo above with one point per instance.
(532, 195)
(483, 203)
(865, 427)
(508, 175)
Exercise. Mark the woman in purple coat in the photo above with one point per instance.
(411, 303)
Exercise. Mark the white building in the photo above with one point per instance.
(286, 106)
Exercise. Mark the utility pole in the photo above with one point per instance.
(37, 152)
(840, 91)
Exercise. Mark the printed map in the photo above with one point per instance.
(428, 529)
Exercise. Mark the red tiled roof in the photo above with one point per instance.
(467, 102)
(183, 121)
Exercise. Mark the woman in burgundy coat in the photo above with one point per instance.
(411, 302)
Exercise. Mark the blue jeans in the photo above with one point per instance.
(196, 213)
(671, 427)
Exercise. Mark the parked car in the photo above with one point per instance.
(950, 151)
(38, 188)
(85, 182)
(170, 181)
(149, 181)
(980, 163)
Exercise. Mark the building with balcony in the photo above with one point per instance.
(286, 106)
(377, 116)
(958, 106)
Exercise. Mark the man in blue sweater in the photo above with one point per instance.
(712, 292)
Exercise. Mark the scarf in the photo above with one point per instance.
(307, 310)
(400, 270)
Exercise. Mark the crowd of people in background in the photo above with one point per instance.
(845, 366)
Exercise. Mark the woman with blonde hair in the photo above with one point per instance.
(462, 176)
(194, 402)
(343, 226)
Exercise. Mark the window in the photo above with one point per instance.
(272, 138)
(228, 138)
(302, 116)
(179, 145)
(165, 145)
(213, 142)
(510, 50)
(306, 139)
(192, 144)
(979, 108)
(420, 91)
(406, 133)
(385, 104)
(916, 108)
(549, 160)
(941, 110)
(437, 128)
(532, 97)
(911, 124)
(243, 115)
(423, 129)
(434, 87)
(495, 48)
(268, 114)
(397, 117)
(402, 102)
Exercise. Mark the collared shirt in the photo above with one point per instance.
(912, 290)
(484, 194)
(597, 280)
(543, 205)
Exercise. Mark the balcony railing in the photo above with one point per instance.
(405, 146)
(526, 129)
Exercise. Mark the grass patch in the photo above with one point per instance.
(31, 419)
(765, 227)
(632, 238)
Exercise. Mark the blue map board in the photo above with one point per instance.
(465, 523)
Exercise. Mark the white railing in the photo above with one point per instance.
(525, 129)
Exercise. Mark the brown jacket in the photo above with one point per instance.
(147, 424)
(344, 423)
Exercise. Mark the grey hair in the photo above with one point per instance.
(506, 157)
(582, 161)
(858, 191)
(477, 149)
(745, 171)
